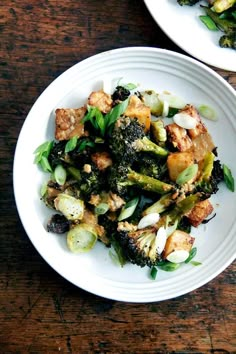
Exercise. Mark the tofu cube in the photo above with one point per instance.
(178, 137)
(200, 212)
(68, 123)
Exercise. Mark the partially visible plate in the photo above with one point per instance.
(183, 26)
(95, 272)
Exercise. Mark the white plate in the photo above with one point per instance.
(95, 272)
(182, 25)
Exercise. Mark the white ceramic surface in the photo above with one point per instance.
(182, 25)
(95, 272)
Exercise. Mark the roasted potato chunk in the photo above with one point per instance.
(68, 123)
(178, 137)
(177, 162)
(101, 100)
(178, 240)
(200, 212)
(137, 109)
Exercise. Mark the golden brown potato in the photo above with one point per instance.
(177, 162)
(137, 109)
(68, 123)
(178, 137)
(200, 212)
(178, 240)
(101, 100)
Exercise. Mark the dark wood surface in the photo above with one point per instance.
(40, 312)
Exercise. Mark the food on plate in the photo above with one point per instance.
(134, 171)
(219, 15)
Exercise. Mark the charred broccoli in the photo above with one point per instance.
(120, 94)
(121, 177)
(89, 178)
(139, 246)
(187, 2)
(228, 40)
(211, 186)
(128, 139)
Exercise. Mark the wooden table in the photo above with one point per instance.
(40, 312)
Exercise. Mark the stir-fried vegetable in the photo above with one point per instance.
(133, 184)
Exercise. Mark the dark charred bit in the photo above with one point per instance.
(58, 224)
(120, 94)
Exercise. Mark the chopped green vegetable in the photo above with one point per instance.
(128, 209)
(209, 23)
(207, 112)
(101, 208)
(153, 273)
(187, 174)
(71, 144)
(168, 266)
(192, 254)
(41, 155)
(195, 263)
(81, 238)
(60, 174)
(228, 178)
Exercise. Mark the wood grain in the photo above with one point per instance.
(40, 312)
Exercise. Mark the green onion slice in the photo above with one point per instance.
(60, 175)
(187, 174)
(128, 209)
(228, 178)
(207, 112)
(153, 273)
(192, 254)
(209, 23)
(101, 208)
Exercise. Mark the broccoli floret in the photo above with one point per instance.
(187, 2)
(121, 177)
(211, 186)
(128, 139)
(57, 154)
(139, 246)
(151, 166)
(89, 178)
(228, 40)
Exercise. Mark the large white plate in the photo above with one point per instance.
(95, 272)
(182, 25)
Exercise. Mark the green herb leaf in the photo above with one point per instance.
(153, 273)
(192, 254)
(84, 143)
(228, 178)
(71, 144)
